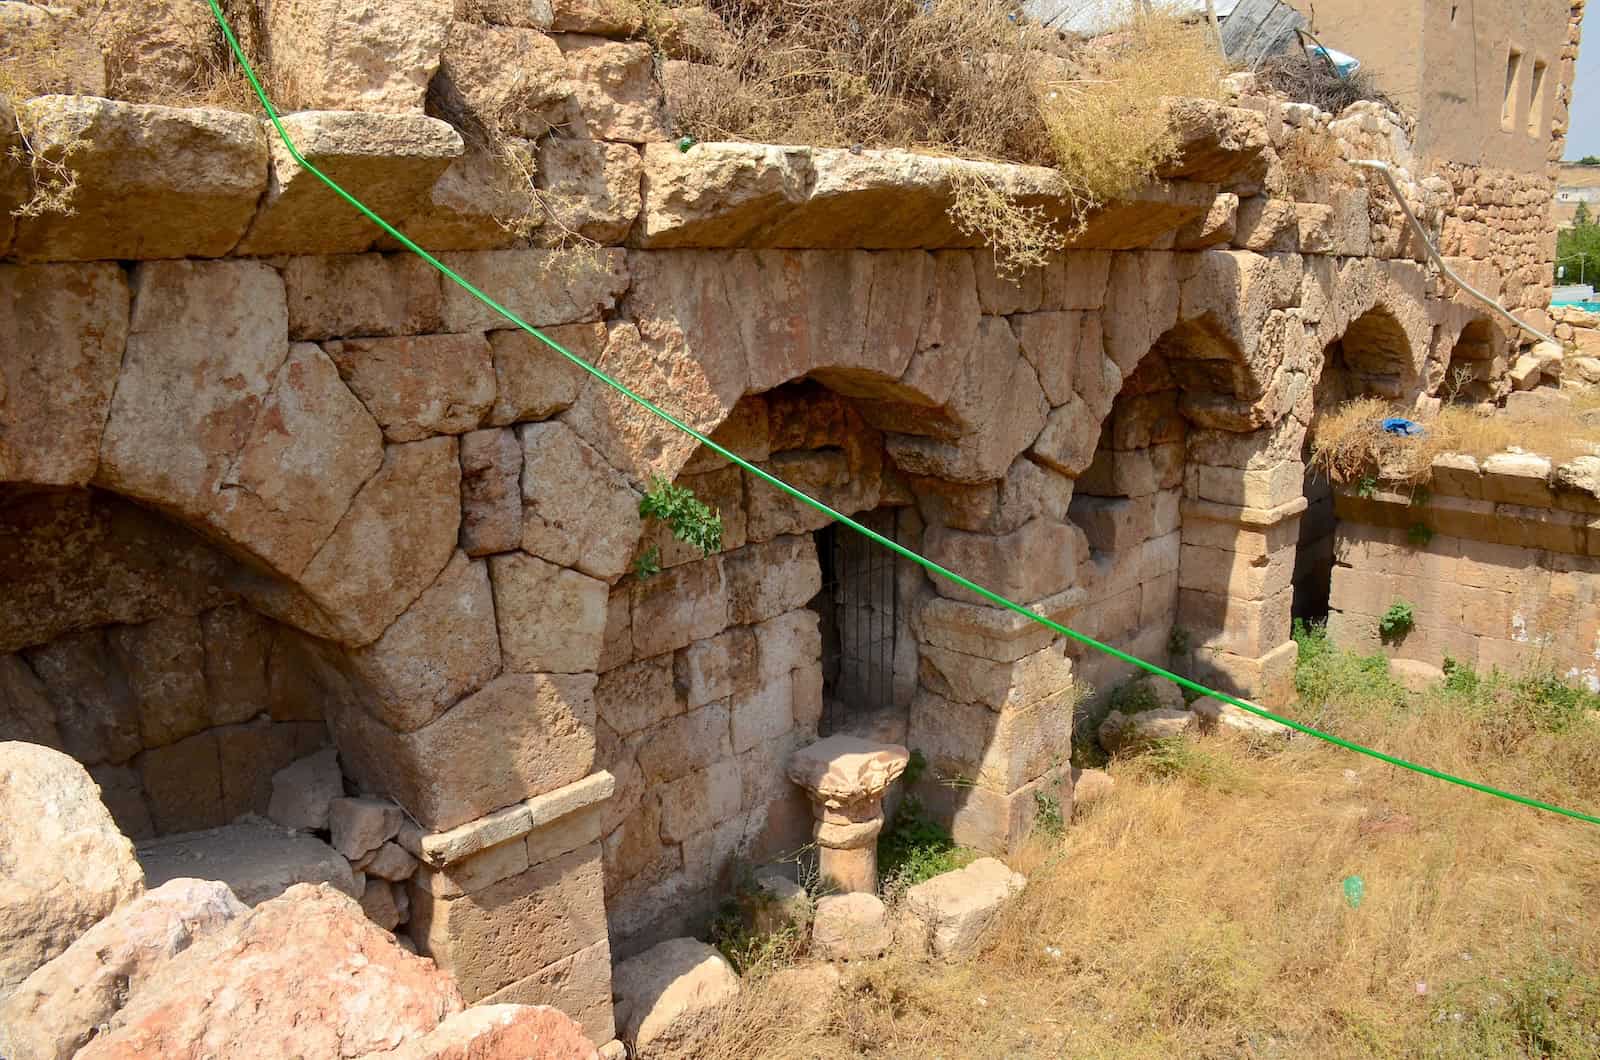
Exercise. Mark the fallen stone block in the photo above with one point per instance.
(1415, 675)
(1121, 733)
(954, 909)
(360, 826)
(257, 861)
(303, 791)
(668, 995)
(850, 927)
(1213, 715)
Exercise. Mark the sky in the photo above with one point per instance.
(1583, 133)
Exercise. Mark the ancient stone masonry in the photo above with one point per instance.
(273, 486)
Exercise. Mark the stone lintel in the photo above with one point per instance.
(1242, 515)
(443, 848)
(995, 632)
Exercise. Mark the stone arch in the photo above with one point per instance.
(1474, 370)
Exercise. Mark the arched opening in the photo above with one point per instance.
(1477, 362)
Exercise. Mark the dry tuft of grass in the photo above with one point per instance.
(1188, 914)
(1310, 79)
(1350, 444)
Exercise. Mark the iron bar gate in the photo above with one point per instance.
(860, 626)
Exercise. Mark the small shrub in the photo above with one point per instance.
(914, 848)
(1047, 814)
(690, 519)
(1419, 534)
(648, 563)
(1396, 622)
(1020, 237)
(1135, 696)
(1179, 641)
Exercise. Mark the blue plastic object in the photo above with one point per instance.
(1403, 427)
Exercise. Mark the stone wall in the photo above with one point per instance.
(1506, 576)
(440, 514)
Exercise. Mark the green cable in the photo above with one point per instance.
(870, 534)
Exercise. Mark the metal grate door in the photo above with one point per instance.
(859, 621)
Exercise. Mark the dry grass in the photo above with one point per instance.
(1349, 443)
(1308, 79)
(1198, 911)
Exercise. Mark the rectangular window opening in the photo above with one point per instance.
(1508, 107)
(1536, 102)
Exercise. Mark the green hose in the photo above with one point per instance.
(779, 484)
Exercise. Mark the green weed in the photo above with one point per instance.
(914, 848)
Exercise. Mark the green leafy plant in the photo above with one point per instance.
(1047, 814)
(1367, 487)
(1396, 622)
(1179, 641)
(915, 848)
(691, 520)
(648, 563)
(1419, 534)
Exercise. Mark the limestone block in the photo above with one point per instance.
(579, 985)
(388, 161)
(1001, 294)
(236, 643)
(360, 296)
(668, 997)
(1513, 478)
(303, 792)
(361, 826)
(1220, 144)
(683, 744)
(551, 620)
(480, 202)
(781, 905)
(16, 178)
(58, 1009)
(1114, 523)
(1216, 228)
(787, 642)
(615, 88)
(590, 187)
(1231, 574)
(152, 181)
(164, 662)
(389, 862)
(491, 492)
(378, 903)
(638, 695)
(1067, 442)
(68, 325)
(525, 282)
(701, 800)
(718, 193)
(1121, 732)
(1243, 627)
(763, 714)
(681, 605)
(396, 537)
(26, 713)
(513, 928)
(576, 510)
(954, 909)
(50, 50)
(998, 685)
(417, 386)
(366, 55)
(606, 18)
(443, 647)
(723, 491)
(508, 80)
(718, 667)
(1050, 342)
(1000, 750)
(1267, 225)
(1213, 715)
(97, 714)
(183, 783)
(850, 927)
(694, 33)
(536, 382)
(521, 735)
(67, 866)
(990, 560)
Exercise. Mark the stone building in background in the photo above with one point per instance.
(270, 486)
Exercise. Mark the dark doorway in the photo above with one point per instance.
(859, 623)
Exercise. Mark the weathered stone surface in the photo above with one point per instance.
(156, 51)
(530, 284)
(303, 791)
(667, 997)
(850, 927)
(781, 905)
(768, 579)
(607, 18)
(360, 826)
(536, 382)
(16, 177)
(699, 801)
(522, 735)
(183, 783)
(693, 33)
(379, 904)
(1214, 715)
(491, 492)
(509, 80)
(307, 452)
(999, 749)
(680, 605)
(305, 974)
(499, 1032)
(579, 985)
(1090, 786)
(513, 928)
(58, 1009)
(68, 325)
(480, 202)
(591, 188)
(63, 864)
(388, 161)
(990, 560)
(422, 385)
(576, 510)
(396, 536)
(47, 50)
(237, 643)
(954, 909)
(615, 88)
(841, 771)
(1128, 732)
(695, 740)
(638, 695)
(367, 55)
(389, 862)
(1220, 144)
(718, 667)
(551, 620)
(1415, 675)
(360, 296)
(152, 181)
(164, 664)
(95, 711)
(255, 859)
(26, 713)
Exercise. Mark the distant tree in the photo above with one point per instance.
(1589, 160)
(1580, 216)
